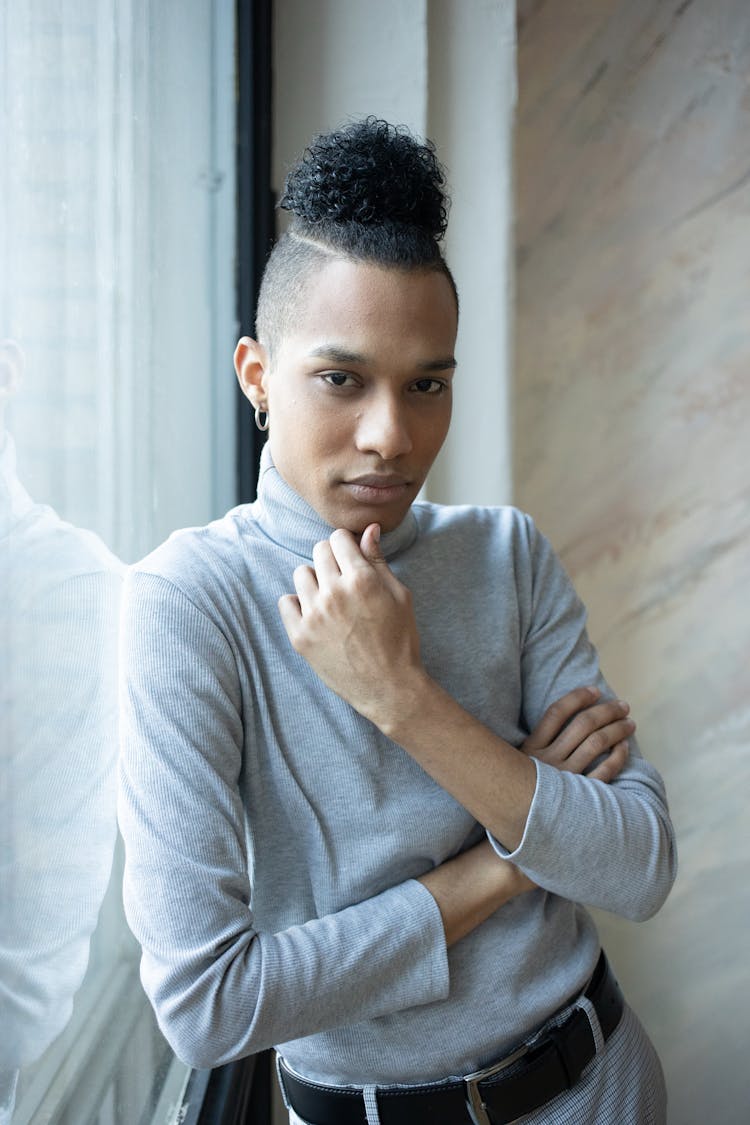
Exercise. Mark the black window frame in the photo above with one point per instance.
(255, 202)
(240, 1093)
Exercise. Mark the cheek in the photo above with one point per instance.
(432, 437)
(319, 444)
(301, 443)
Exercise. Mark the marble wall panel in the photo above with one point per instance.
(632, 423)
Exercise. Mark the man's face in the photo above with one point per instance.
(359, 394)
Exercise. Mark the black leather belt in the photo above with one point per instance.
(518, 1084)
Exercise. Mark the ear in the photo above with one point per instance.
(252, 366)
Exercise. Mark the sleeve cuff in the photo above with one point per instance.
(429, 979)
(543, 795)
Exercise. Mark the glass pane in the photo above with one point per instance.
(116, 205)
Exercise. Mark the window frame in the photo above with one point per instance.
(240, 1092)
(255, 202)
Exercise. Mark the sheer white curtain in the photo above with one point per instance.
(116, 426)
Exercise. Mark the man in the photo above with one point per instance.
(351, 846)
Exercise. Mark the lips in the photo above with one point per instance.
(380, 480)
(378, 488)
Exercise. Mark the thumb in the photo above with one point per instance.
(369, 544)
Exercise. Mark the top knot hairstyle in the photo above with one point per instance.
(369, 191)
(369, 173)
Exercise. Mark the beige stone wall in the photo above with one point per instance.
(631, 430)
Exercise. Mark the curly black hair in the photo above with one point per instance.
(369, 173)
(369, 191)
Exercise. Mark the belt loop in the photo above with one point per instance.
(282, 1087)
(596, 1028)
(370, 1095)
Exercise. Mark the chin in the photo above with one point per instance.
(356, 517)
(356, 523)
(387, 522)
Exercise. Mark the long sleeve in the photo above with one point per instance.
(610, 846)
(274, 837)
(221, 986)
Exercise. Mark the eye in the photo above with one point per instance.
(430, 386)
(339, 379)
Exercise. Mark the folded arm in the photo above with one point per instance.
(222, 988)
(603, 839)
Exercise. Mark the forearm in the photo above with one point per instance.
(471, 888)
(623, 861)
(233, 990)
(353, 621)
(493, 780)
(228, 990)
(224, 982)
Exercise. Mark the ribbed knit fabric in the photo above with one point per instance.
(274, 836)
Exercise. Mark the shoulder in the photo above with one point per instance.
(199, 563)
(500, 546)
(501, 527)
(198, 550)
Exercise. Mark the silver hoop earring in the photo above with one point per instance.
(262, 425)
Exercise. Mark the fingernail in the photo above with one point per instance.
(376, 533)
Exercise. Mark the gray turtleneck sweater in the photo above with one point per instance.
(274, 836)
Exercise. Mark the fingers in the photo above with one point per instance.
(327, 570)
(346, 550)
(369, 544)
(335, 558)
(601, 742)
(614, 763)
(365, 556)
(291, 615)
(582, 736)
(306, 585)
(331, 557)
(597, 728)
(558, 715)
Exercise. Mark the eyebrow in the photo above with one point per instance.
(337, 354)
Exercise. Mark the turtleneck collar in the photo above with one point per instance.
(291, 522)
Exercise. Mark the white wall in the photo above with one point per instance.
(341, 59)
(471, 101)
(445, 69)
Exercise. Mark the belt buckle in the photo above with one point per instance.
(476, 1107)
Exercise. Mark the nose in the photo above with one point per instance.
(382, 428)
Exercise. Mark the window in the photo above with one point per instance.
(117, 425)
